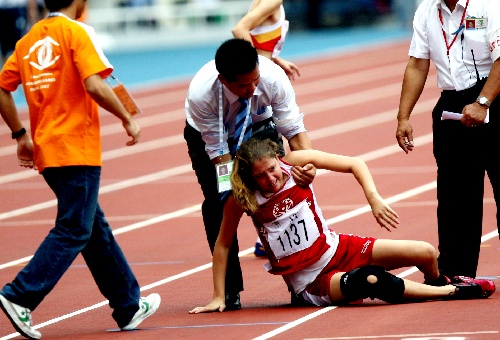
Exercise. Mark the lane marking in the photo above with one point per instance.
(182, 169)
(313, 86)
(144, 179)
(178, 170)
(207, 326)
(328, 131)
(295, 323)
(401, 196)
(315, 107)
(156, 144)
(424, 336)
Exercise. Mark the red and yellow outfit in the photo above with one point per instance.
(271, 38)
(65, 129)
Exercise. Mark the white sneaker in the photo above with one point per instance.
(20, 317)
(147, 306)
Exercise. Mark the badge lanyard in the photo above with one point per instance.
(460, 28)
(224, 170)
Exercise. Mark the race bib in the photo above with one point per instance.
(293, 231)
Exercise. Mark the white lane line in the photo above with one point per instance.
(168, 141)
(183, 169)
(332, 103)
(312, 86)
(295, 323)
(128, 228)
(423, 336)
(209, 265)
(16, 262)
(395, 198)
(105, 189)
(405, 273)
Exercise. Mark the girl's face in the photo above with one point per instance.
(268, 175)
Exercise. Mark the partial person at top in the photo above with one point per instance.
(265, 27)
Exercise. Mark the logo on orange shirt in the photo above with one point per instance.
(44, 53)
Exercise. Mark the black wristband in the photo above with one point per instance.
(18, 134)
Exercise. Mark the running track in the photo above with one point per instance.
(150, 196)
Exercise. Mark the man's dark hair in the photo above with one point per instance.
(235, 57)
(56, 5)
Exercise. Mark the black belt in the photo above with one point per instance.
(478, 85)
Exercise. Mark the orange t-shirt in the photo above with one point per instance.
(51, 62)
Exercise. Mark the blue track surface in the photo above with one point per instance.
(139, 68)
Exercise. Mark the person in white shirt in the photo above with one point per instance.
(462, 38)
(212, 106)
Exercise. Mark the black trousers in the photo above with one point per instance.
(212, 207)
(463, 156)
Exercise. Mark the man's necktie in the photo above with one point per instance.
(238, 130)
(240, 120)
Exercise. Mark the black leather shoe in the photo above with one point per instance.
(298, 300)
(442, 280)
(232, 302)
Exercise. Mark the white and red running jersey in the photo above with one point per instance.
(294, 232)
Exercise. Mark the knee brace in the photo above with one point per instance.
(354, 285)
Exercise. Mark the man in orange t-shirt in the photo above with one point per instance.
(61, 69)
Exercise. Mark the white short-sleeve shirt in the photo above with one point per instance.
(474, 49)
(274, 97)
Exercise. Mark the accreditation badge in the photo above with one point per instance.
(476, 23)
(223, 172)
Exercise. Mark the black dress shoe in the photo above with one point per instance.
(232, 302)
(298, 300)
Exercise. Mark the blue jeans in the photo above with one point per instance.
(80, 228)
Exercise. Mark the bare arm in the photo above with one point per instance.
(290, 68)
(106, 98)
(254, 18)
(303, 174)
(10, 116)
(385, 216)
(300, 141)
(413, 84)
(231, 218)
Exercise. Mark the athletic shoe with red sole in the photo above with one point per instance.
(487, 286)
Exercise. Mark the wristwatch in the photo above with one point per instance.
(483, 101)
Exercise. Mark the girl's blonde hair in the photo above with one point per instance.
(244, 185)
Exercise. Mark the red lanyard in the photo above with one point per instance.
(448, 47)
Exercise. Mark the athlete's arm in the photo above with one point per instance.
(230, 221)
(385, 216)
